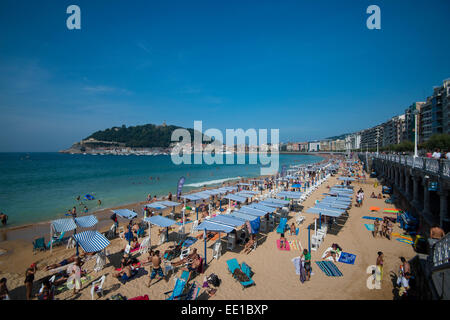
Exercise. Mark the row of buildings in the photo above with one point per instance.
(433, 118)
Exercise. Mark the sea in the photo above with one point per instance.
(38, 187)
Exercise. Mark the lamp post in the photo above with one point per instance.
(416, 112)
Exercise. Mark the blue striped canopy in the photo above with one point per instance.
(91, 241)
(64, 225)
(169, 203)
(209, 225)
(261, 207)
(252, 211)
(196, 196)
(245, 184)
(346, 179)
(289, 194)
(279, 201)
(125, 213)
(243, 216)
(156, 205)
(243, 194)
(323, 212)
(235, 198)
(160, 221)
(227, 220)
(271, 204)
(331, 205)
(86, 221)
(248, 192)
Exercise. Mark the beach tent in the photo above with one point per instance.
(244, 194)
(289, 194)
(248, 192)
(91, 241)
(209, 225)
(271, 204)
(86, 221)
(262, 207)
(59, 226)
(243, 216)
(277, 201)
(125, 213)
(252, 211)
(160, 221)
(235, 198)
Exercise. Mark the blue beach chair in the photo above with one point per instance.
(180, 284)
(39, 244)
(233, 265)
(57, 240)
(282, 226)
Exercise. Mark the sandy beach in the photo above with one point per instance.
(274, 272)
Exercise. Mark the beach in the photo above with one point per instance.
(274, 272)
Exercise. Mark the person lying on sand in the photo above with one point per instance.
(186, 259)
(376, 225)
(373, 195)
(335, 249)
(62, 263)
(125, 271)
(193, 266)
(249, 245)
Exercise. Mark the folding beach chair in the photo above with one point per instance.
(100, 261)
(39, 244)
(145, 245)
(233, 265)
(56, 240)
(97, 287)
(180, 284)
(282, 226)
(217, 249)
(122, 232)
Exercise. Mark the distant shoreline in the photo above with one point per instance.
(29, 231)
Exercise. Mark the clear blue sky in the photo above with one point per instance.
(310, 68)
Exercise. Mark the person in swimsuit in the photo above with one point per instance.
(3, 218)
(293, 230)
(376, 226)
(186, 259)
(62, 263)
(249, 245)
(282, 241)
(156, 262)
(29, 278)
(335, 249)
(379, 266)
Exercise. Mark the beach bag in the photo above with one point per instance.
(214, 280)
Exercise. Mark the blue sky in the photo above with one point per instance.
(310, 68)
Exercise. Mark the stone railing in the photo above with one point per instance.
(441, 252)
(435, 166)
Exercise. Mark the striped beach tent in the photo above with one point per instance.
(86, 222)
(63, 225)
(91, 241)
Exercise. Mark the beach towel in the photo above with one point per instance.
(297, 262)
(371, 218)
(185, 223)
(347, 258)
(134, 265)
(189, 242)
(329, 268)
(370, 227)
(302, 271)
(140, 298)
(406, 237)
(295, 245)
(287, 248)
(404, 240)
(391, 210)
(374, 208)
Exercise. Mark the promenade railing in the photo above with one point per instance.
(430, 165)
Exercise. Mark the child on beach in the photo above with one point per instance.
(282, 241)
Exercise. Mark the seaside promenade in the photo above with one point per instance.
(274, 272)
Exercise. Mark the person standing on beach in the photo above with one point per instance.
(306, 258)
(99, 202)
(379, 267)
(156, 263)
(29, 278)
(169, 197)
(3, 218)
(149, 198)
(74, 212)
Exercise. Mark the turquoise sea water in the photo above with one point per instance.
(37, 187)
